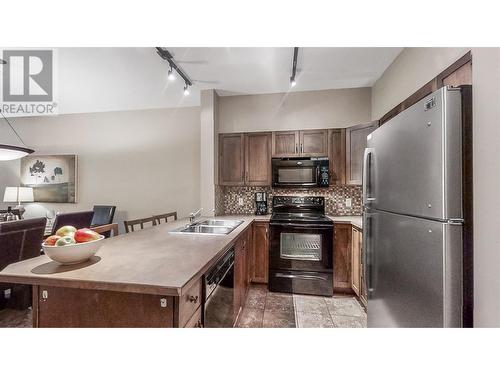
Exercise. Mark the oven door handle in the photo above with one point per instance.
(302, 277)
(307, 226)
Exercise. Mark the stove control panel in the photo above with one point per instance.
(298, 201)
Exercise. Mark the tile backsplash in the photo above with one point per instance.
(226, 199)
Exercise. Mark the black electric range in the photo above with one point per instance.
(301, 246)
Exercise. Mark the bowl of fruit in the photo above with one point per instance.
(72, 246)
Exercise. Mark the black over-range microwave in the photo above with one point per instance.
(300, 172)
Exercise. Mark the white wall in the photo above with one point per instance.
(486, 114)
(412, 69)
(144, 162)
(208, 151)
(295, 110)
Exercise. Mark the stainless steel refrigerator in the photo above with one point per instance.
(413, 215)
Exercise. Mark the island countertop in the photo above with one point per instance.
(151, 261)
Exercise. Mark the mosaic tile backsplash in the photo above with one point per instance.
(226, 201)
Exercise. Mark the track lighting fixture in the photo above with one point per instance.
(165, 55)
(294, 67)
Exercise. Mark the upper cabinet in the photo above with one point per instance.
(245, 159)
(231, 159)
(285, 144)
(355, 148)
(258, 159)
(336, 156)
(300, 143)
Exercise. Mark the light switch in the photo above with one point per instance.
(348, 202)
(240, 201)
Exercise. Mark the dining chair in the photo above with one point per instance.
(107, 228)
(129, 224)
(78, 220)
(103, 215)
(19, 240)
(158, 218)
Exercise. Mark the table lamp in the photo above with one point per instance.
(18, 195)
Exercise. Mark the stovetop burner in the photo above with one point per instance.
(290, 209)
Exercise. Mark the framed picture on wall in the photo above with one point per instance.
(52, 177)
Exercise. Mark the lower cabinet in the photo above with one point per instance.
(241, 279)
(342, 258)
(348, 267)
(260, 259)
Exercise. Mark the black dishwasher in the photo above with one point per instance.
(218, 311)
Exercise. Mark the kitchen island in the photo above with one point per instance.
(148, 278)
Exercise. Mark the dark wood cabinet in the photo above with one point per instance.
(342, 257)
(313, 142)
(285, 144)
(300, 143)
(258, 159)
(356, 261)
(231, 159)
(355, 148)
(336, 156)
(260, 264)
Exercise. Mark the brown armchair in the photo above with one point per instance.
(19, 240)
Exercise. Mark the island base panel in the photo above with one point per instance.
(70, 307)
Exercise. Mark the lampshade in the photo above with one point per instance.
(8, 152)
(18, 194)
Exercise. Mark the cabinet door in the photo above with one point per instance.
(258, 159)
(285, 144)
(239, 275)
(313, 142)
(336, 155)
(355, 148)
(231, 159)
(261, 252)
(342, 257)
(356, 261)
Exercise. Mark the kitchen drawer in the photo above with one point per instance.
(189, 302)
(195, 321)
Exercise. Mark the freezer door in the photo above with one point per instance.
(413, 163)
(414, 271)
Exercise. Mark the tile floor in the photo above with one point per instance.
(265, 309)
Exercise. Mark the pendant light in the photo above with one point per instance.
(12, 152)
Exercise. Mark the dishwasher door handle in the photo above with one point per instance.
(302, 277)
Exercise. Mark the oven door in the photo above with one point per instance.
(301, 247)
(295, 172)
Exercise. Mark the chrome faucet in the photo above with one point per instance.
(194, 215)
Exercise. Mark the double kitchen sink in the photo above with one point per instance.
(210, 226)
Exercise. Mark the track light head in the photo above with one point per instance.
(170, 75)
(292, 82)
(186, 90)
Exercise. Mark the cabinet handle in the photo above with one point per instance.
(296, 148)
(198, 324)
(193, 299)
(301, 148)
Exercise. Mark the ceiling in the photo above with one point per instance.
(236, 71)
(118, 79)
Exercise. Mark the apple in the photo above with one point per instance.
(86, 235)
(51, 241)
(67, 230)
(66, 240)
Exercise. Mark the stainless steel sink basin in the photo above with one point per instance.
(210, 226)
(222, 223)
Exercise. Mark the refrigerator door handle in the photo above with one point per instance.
(367, 253)
(367, 199)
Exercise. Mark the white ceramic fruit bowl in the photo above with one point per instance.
(75, 253)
